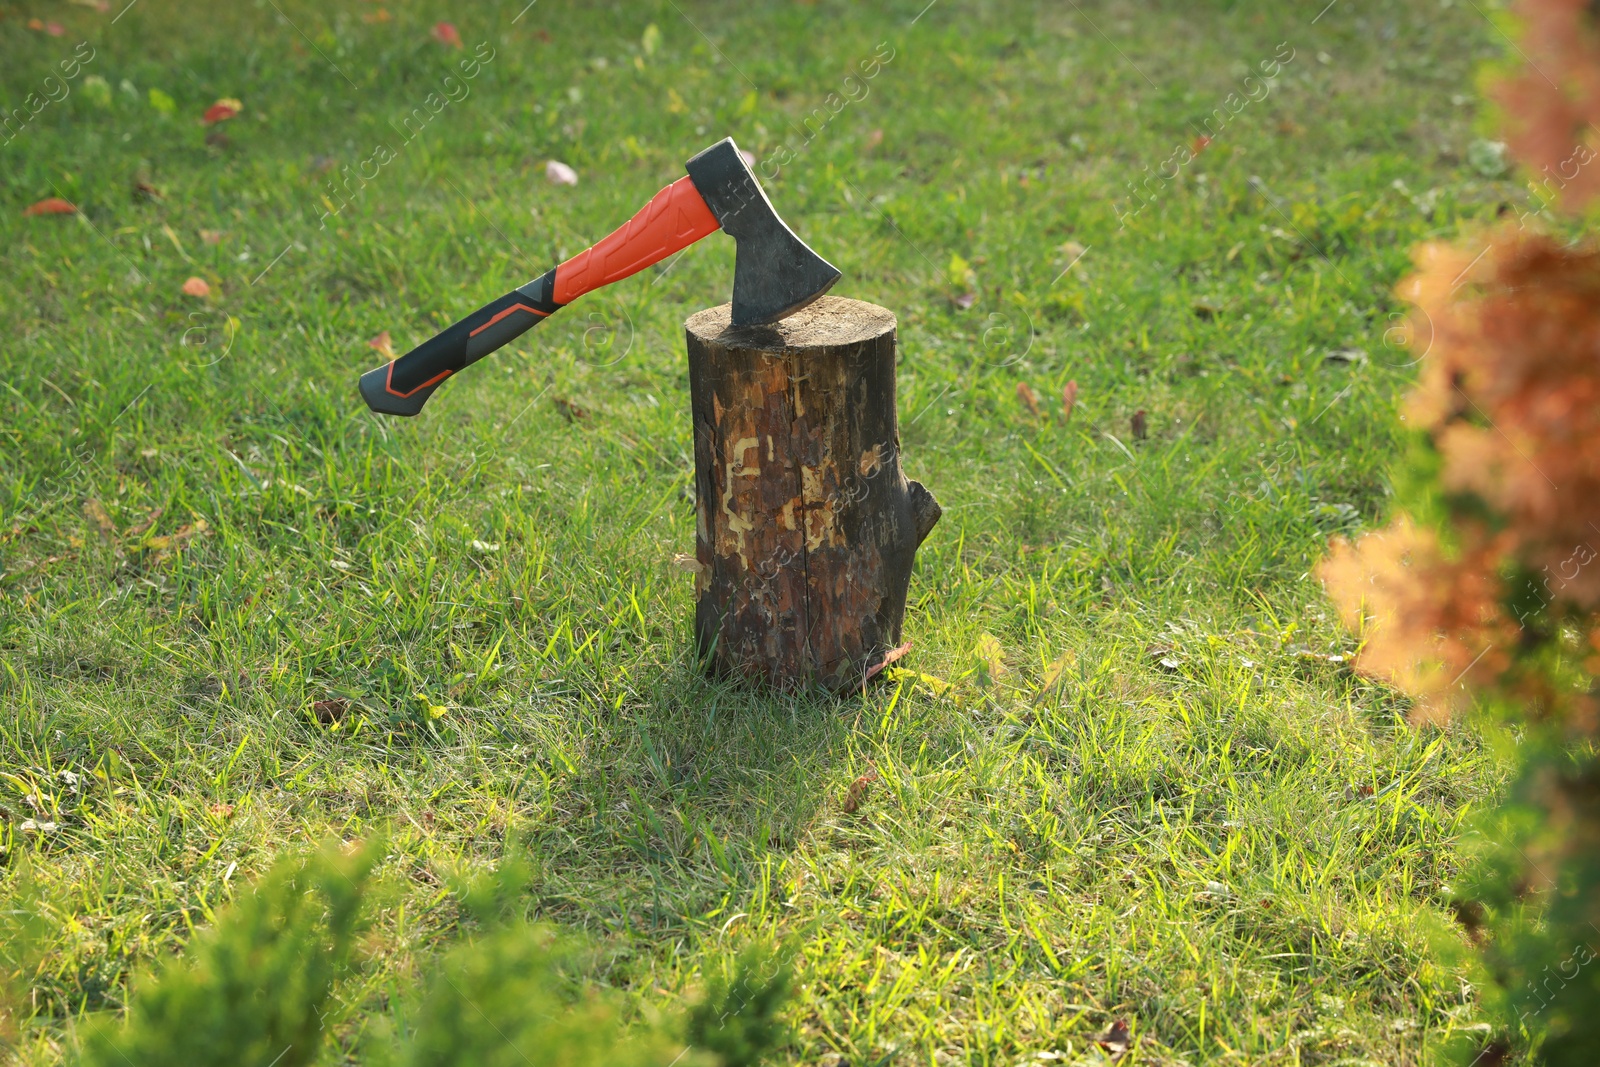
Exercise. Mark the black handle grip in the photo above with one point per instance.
(404, 385)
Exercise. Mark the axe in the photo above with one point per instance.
(775, 274)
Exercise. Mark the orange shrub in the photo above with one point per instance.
(1485, 589)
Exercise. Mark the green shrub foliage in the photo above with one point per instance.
(256, 988)
(500, 1001)
(738, 1021)
(253, 988)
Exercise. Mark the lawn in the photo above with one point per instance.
(1125, 771)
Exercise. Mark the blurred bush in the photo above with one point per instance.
(257, 988)
(253, 988)
(1484, 592)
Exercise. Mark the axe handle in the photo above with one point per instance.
(674, 218)
(402, 386)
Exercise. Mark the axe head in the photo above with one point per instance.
(775, 273)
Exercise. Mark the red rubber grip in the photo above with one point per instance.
(675, 218)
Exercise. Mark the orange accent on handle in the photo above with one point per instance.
(388, 383)
(675, 218)
(503, 314)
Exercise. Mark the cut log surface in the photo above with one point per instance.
(806, 527)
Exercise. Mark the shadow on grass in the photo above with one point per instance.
(696, 796)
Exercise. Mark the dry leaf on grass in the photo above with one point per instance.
(1069, 398)
(144, 524)
(937, 686)
(991, 658)
(96, 513)
(1029, 398)
(569, 411)
(164, 546)
(888, 657)
(383, 345)
(221, 111)
(330, 711)
(1056, 673)
(856, 795)
(559, 173)
(51, 205)
(1348, 357)
(1117, 1040)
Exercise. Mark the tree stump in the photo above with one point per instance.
(806, 527)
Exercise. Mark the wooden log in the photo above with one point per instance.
(806, 527)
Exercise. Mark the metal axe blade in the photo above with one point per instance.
(775, 274)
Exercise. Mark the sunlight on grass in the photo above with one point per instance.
(1125, 772)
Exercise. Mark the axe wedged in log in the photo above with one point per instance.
(775, 274)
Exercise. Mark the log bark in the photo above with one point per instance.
(806, 526)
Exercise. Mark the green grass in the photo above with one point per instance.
(1166, 803)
